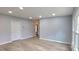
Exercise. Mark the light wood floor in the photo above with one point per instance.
(34, 44)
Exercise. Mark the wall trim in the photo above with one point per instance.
(25, 37)
(15, 40)
(55, 41)
(39, 38)
(5, 42)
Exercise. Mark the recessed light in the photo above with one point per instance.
(21, 8)
(10, 12)
(30, 17)
(53, 14)
(40, 16)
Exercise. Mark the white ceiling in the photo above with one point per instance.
(37, 11)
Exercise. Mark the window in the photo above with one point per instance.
(77, 25)
(75, 38)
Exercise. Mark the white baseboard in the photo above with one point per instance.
(22, 38)
(15, 40)
(6, 42)
(55, 41)
(39, 38)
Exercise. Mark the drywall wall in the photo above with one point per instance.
(57, 29)
(26, 29)
(5, 29)
(14, 28)
(21, 29)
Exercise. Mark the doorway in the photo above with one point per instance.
(36, 25)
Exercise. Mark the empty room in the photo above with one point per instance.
(39, 29)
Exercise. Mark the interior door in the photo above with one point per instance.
(15, 29)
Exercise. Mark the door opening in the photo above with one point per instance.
(36, 27)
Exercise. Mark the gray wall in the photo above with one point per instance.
(14, 28)
(57, 28)
(5, 29)
(26, 29)
(21, 29)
